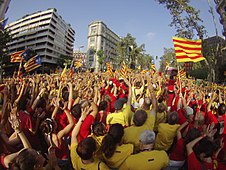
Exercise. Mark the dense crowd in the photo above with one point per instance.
(94, 121)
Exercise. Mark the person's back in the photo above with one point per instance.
(147, 160)
(167, 132)
(142, 121)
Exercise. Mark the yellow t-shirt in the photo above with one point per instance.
(120, 117)
(121, 153)
(77, 161)
(160, 118)
(132, 133)
(165, 136)
(154, 160)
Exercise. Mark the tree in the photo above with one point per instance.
(64, 60)
(168, 57)
(186, 21)
(185, 18)
(214, 57)
(144, 60)
(129, 51)
(101, 58)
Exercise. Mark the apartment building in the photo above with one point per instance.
(100, 37)
(46, 33)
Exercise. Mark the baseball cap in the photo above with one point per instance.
(147, 137)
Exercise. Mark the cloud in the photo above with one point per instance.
(150, 35)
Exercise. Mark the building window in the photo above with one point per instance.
(92, 40)
(93, 30)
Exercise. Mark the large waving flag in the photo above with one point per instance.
(188, 50)
(32, 63)
(16, 56)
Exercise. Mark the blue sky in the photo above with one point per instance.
(145, 20)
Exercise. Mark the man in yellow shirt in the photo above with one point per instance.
(147, 158)
(121, 114)
(167, 132)
(143, 119)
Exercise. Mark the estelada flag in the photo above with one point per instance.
(188, 50)
(32, 63)
(16, 56)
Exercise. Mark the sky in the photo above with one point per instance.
(145, 20)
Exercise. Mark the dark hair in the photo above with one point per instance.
(47, 126)
(41, 103)
(139, 118)
(86, 148)
(221, 109)
(191, 135)
(65, 95)
(173, 118)
(98, 128)
(160, 99)
(23, 103)
(204, 146)
(111, 140)
(24, 161)
(103, 105)
(76, 111)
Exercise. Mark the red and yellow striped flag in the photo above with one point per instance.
(123, 71)
(153, 68)
(188, 50)
(182, 73)
(109, 69)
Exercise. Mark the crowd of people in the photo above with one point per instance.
(97, 121)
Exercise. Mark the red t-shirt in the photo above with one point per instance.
(181, 118)
(178, 153)
(85, 129)
(195, 164)
(26, 124)
(61, 120)
(62, 150)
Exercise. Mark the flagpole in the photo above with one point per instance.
(178, 68)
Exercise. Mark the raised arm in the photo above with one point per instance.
(76, 129)
(179, 135)
(130, 91)
(70, 97)
(68, 128)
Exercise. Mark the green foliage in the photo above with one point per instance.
(64, 60)
(185, 18)
(132, 54)
(168, 57)
(101, 58)
(201, 73)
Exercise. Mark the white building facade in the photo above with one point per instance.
(45, 32)
(100, 37)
